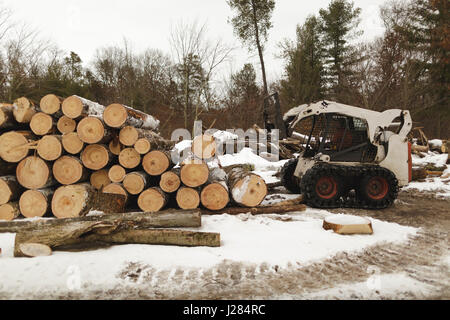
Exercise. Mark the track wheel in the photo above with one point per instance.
(322, 188)
(379, 188)
(289, 181)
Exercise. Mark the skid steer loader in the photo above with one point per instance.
(352, 157)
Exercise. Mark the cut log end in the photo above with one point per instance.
(95, 157)
(33, 173)
(115, 115)
(91, 130)
(24, 110)
(9, 211)
(129, 158)
(9, 189)
(13, 147)
(128, 136)
(73, 107)
(50, 104)
(41, 124)
(170, 182)
(143, 146)
(156, 163)
(34, 203)
(250, 191)
(100, 179)
(72, 143)
(194, 173)
(70, 201)
(116, 188)
(204, 147)
(188, 198)
(68, 170)
(215, 197)
(115, 147)
(347, 225)
(117, 174)
(49, 148)
(66, 125)
(152, 200)
(134, 183)
(33, 250)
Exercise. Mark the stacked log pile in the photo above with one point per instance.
(68, 157)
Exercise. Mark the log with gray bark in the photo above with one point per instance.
(76, 107)
(247, 189)
(119, 116)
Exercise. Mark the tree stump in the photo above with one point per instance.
(347, 225)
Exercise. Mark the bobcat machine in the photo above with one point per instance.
(352, 157)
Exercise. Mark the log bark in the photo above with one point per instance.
(445, 147)
(358, 226)
(7, 168)
(112, 234)
(76, 107)
(42, 124)
(69, 170)
(170, 181)
(148, 140)
(92, 130)
(188, 198)
(16, 145)
(66, 125)
(72, 144)
(136, 220)
(119, 116)
(116, 174)
(36, 203)
(136, 182)
(100, 179)
(118, 189)
(194, 173)
(204, 147)
(10, 189)
(247, 189)
(115, 146)
(419, 174)
(153, 200)
(50, 148)
(257, 210)
(156, 163)
(34, 173)
(419, 149)
(215, 195)
(9, 211)
(24, 110)
(129, 158)
(77, 200)
(51, 104)
(96, 157)
(7, 120)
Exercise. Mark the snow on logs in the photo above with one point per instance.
(247, 189)
(119, 116)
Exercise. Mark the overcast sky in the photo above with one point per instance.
(83, 26)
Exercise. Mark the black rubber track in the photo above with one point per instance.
(289, 181)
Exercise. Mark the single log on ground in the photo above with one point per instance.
(72, 143)
(91, 130)
(7, 120)
(34, 173)
(129, 158)
(136, 182)
(36, 203)
(115, 146)
(257, 210)
(188, 198)
(148, 140)
(247, 189)
(10, 189)
(116, 174)
(76, 107)
(136, 220)
(24, 110)
(204, 147)
(100, 179)
(69, 170)
(118, 189)
(113, 234)
(9, 211)
(7, 168)
(34, 250)
(343, 224)
(216, 196)
(156, 163)
(96, 157)
(194, 173)
(50, 148)
(119, 116)
(170, 181)
(77, 200)
(42, 124)
(66, 125)
(153, 200)
(15, 145)
(418, 149)
(51, 104)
